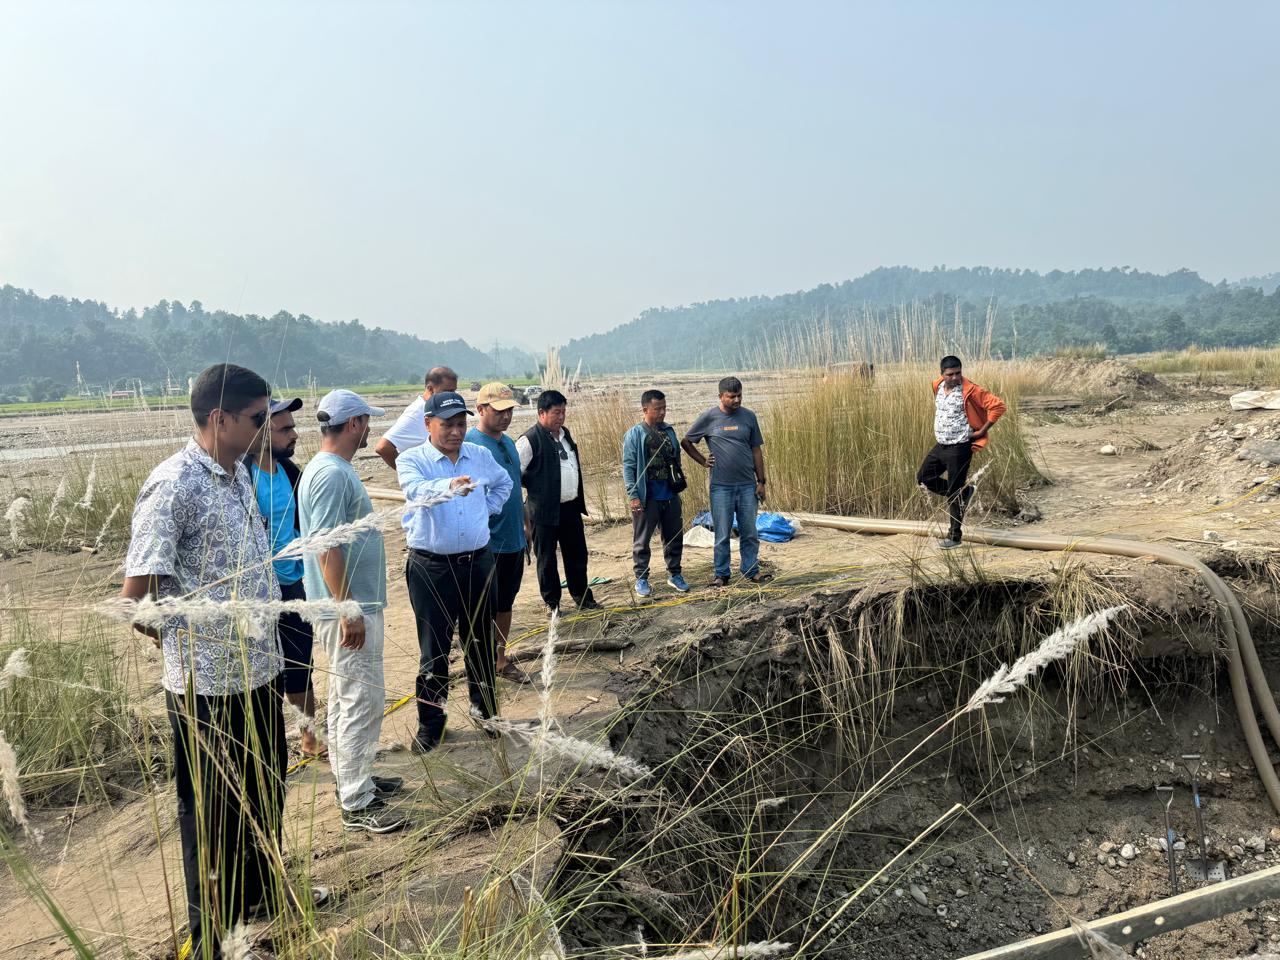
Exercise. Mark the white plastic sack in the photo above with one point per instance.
(1256, 400)
(699, 537)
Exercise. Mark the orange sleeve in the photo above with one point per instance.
(992, 404)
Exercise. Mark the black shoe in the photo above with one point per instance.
(591, 603)
(427, 739)
(719, 581)
(387, 786)
(377, 817)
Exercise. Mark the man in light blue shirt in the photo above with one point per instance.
(450, 566)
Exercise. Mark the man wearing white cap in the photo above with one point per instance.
(330, 494)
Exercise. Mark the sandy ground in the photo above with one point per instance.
(1090, 494)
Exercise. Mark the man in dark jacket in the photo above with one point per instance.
(552, 474)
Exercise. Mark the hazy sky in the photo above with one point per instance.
(537, 171)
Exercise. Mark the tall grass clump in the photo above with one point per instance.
(845, 444)
(598, 424)
(1258, 366)
(91, 507)
(66, 711)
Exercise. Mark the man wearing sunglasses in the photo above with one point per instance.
(552, 473)
(197, 534)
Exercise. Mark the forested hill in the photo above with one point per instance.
(43, 337)
(1128, 310)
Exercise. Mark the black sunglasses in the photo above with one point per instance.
(258, 418)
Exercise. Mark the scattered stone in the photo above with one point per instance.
(1108, 450)
(1071, 858)
(1257, 844)
(1213, 536)
(1106, 846)
(1128, 852)
(941, 910)
(919, 896)
(946, 860)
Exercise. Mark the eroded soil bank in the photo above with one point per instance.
(773, 723)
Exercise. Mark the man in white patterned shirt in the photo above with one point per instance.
(963, 414)
(197, 534)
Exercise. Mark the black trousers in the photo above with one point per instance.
(229, 765)
(951, 459)
(448, 590)
(571, 538)
(666, 517)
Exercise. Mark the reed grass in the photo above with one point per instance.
(1258, 366)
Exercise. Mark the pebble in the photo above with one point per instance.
(1071, 858)
(946, 860)
(918, 896)
(1107, 450)
(1128, 852)
(1106, 846)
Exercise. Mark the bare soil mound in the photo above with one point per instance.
(1224, 460)
(1102, 376)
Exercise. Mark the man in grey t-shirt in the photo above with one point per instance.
(330, 495)
(736, 462)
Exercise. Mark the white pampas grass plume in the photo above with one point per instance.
(547, 745)
(535, 899)
(728, 950)
(18, 665)
(106, 526)
(1058, 645)
(640, 941)
(86, 501)
(548, 668)
(16, 513)
(770, 803)
(237, 944)
(1099, 947)
(345, 533)
(253, 617)
(12, 789)
(58, 496)
(304, 723)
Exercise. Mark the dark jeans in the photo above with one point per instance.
(664, 516)
(448, 590)
(952, 459)
(296, 642)
(571, 538)
(229, 765)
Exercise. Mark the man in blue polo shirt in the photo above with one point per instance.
(494, 408)
(275, 482)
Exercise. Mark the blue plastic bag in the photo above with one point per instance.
(772, 527)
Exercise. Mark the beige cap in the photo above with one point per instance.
(498, 396)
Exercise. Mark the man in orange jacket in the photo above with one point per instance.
(963, 415)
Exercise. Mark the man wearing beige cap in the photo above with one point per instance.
(494, 407)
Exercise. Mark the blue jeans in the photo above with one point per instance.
(728, 500)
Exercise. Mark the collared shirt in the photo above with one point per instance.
(460, 524)
(278, 509)
(198, 529)
(950, 425)
(506, 529)
(569, 469)
(410, 430)
(330, 494)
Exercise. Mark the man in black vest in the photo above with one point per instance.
(552, 473)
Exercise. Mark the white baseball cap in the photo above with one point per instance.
(339, 406)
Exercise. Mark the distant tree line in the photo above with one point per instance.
(42, 338)
(1128, 310)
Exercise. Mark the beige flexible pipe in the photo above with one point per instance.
(1243, 665)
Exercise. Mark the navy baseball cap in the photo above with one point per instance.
(444, 405)
(280, 406)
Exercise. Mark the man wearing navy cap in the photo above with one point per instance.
(450, 565)
(277, 491)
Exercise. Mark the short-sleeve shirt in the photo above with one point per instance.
(950, 423)
(198, 529)
(276, 504)
(731, 437)
(410, 430)
(506, 529)
(330, 494)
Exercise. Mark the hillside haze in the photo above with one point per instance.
(1125, 309)
(42, 339)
